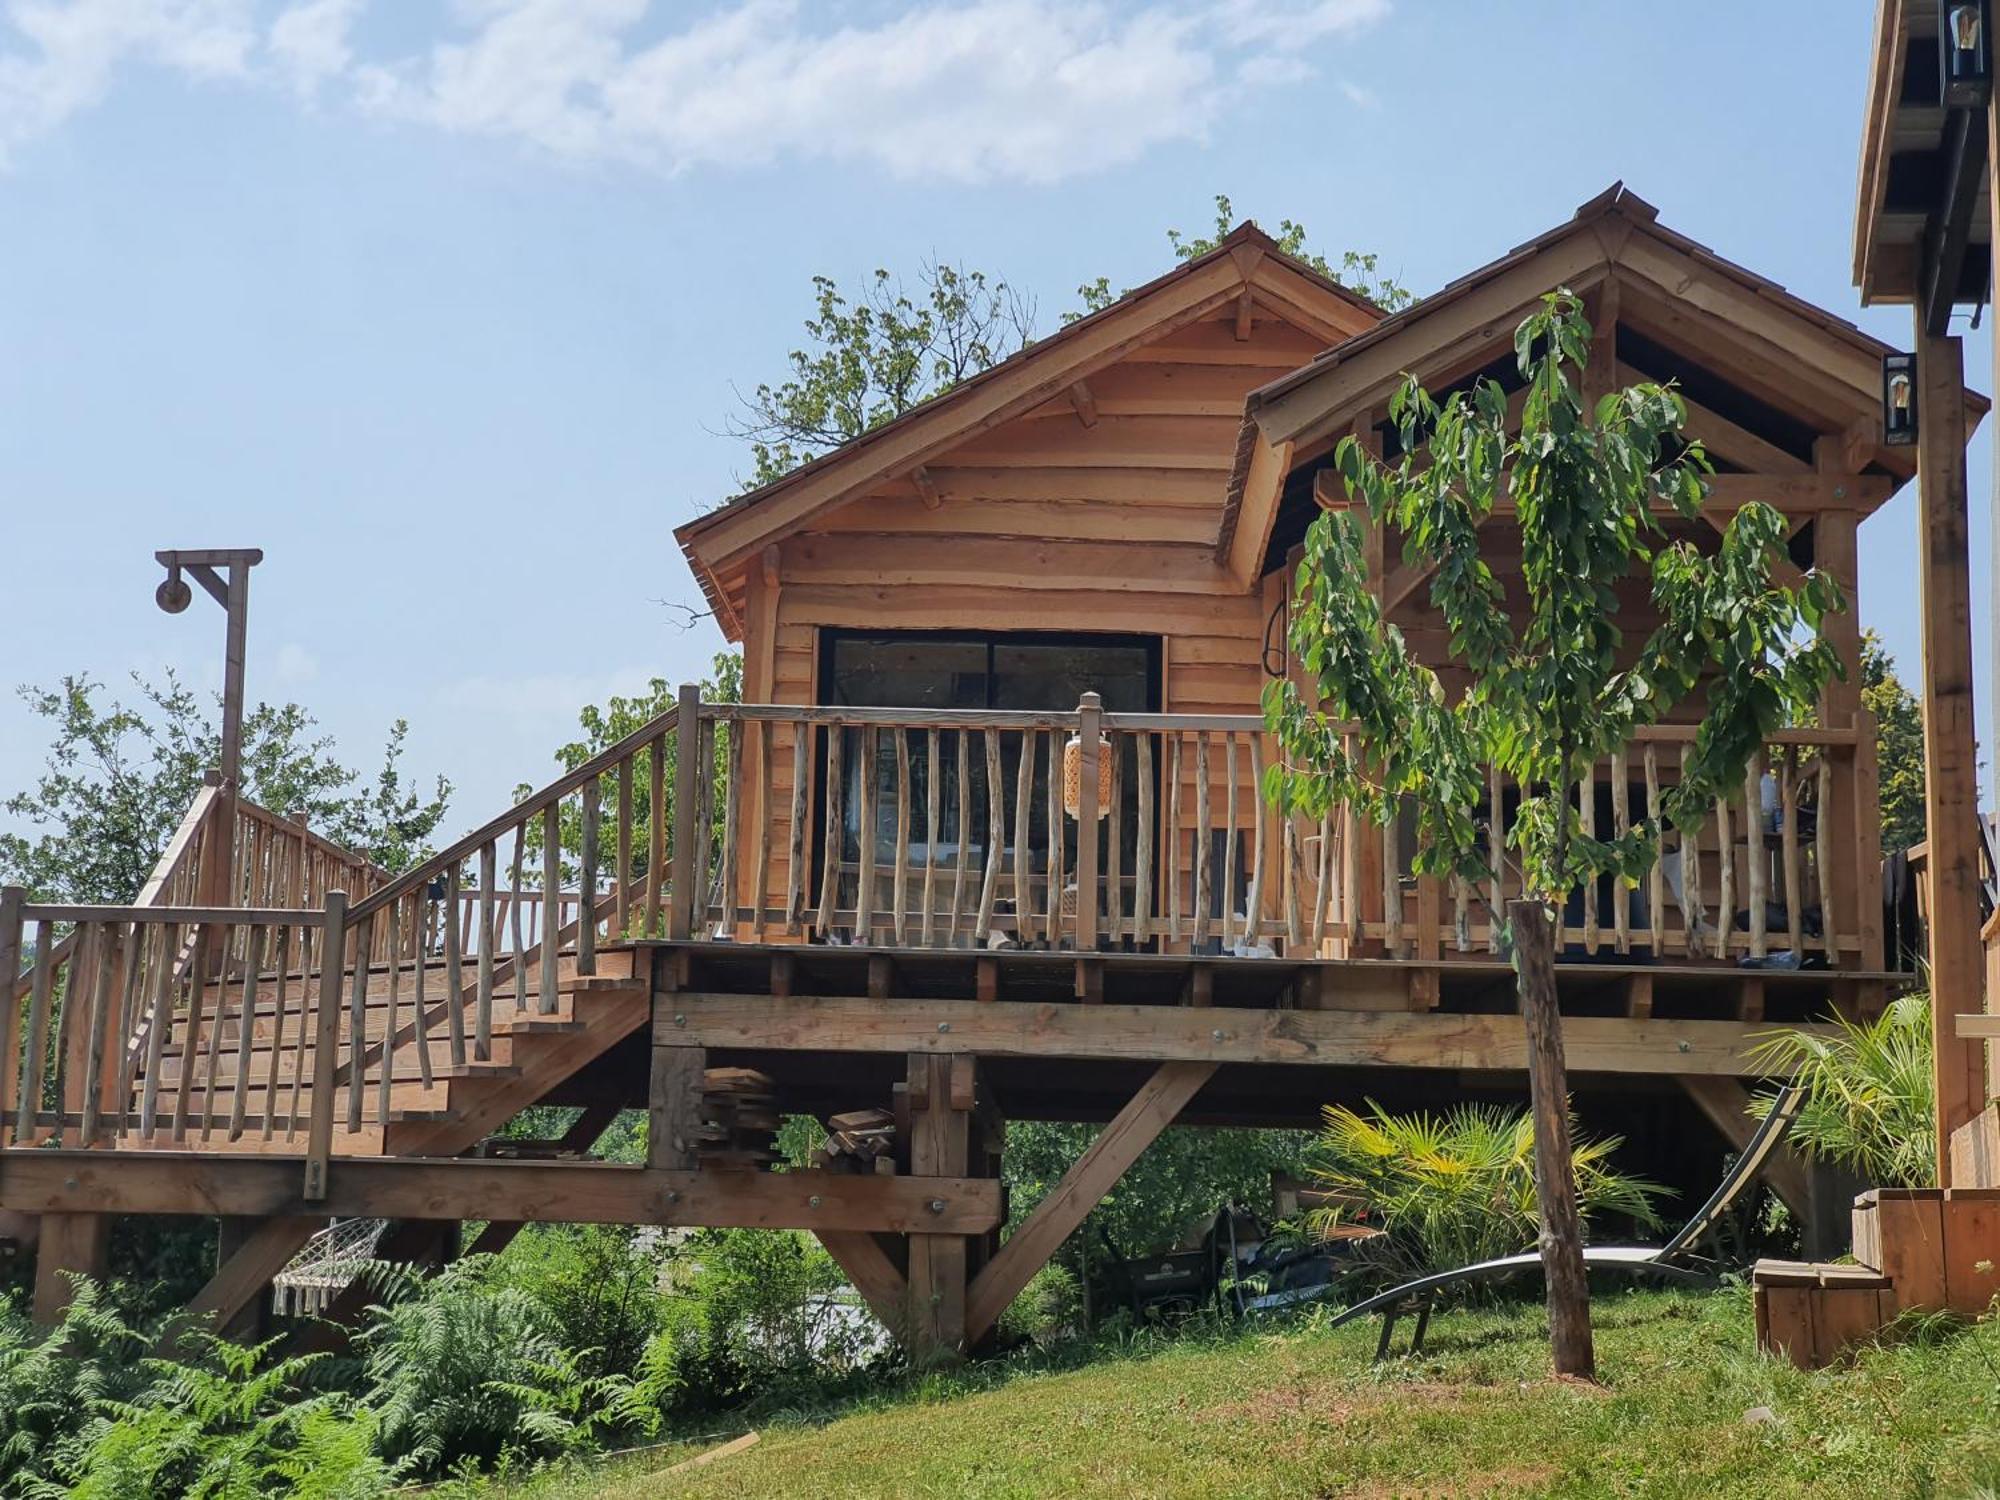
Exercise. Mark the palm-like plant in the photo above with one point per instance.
(1450, 1190)
(1866, 1092)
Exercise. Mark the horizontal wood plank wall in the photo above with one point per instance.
(1097, 511)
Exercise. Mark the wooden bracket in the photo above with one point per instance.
(1084, 403)
(927, 490)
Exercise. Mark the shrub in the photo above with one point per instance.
(224, 1425)
(600, 1283)
(51, 1385)
(759, 1314)
(1867, 1092)
(462, 1366)
(1049, 1307)
(1451, 1190)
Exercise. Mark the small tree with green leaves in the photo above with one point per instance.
(1552, 687)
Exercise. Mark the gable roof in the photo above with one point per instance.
(1798, 359)
(723, 542)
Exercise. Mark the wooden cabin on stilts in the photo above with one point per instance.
(983, 840)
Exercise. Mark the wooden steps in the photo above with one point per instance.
(1919, 1249)
(531, 1053)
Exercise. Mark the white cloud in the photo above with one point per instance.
(1359, 96)
(309, 40)
(965, 90)
(65, 56)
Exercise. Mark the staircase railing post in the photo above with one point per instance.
(326, 1044)
(685, 895)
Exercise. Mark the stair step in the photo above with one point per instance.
(602, 984)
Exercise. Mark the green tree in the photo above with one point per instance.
(875, 355)
(1358, 271)
(1899, 744)
(118, 778)
(1550, 695)
(872, 355)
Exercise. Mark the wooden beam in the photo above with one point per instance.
(863, 1260)
(1725, 1102)
(1082, 1187)
(1167, 1033)
(1244, 311)
(148, 1182)
(927, 490)
(71, 1244)
(1951, 785)
(1084, 404)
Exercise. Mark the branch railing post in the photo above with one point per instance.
(326, 1043)
(684, 894)
(1089, 717)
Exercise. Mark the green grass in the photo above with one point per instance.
(1296, 1411)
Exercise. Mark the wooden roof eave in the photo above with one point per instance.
(1885, 86)
(1471, 321)
(723, 543)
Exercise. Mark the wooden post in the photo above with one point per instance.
(683, 894)
(1088, 713)
(326, 1043)
(1951, 788)
(70, 1244)
(940, 1146)
(1555, 1175)
(673, 1100)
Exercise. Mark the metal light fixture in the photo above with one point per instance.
(1965, 60)
(1899, 399)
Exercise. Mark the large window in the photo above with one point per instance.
(1014, 670)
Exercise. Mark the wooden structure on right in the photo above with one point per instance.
(1924, 236)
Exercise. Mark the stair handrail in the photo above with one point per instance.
(456, 853)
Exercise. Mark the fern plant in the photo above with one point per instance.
(52, 1384)
(1453, 1189)
(1867, 1092)
(464, 1366)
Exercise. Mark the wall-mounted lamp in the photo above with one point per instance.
(1965, 58)
(1899, 399)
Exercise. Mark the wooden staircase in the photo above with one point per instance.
(430, 1105)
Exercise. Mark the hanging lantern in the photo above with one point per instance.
(1073, 775)
(1899, 399)
(1965, 65)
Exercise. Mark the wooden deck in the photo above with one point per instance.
(244, 1042)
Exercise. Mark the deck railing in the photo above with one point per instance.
(949, 828)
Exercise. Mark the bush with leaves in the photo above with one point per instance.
(228, 1424)
(462, 1365)
(760, 1315)
(599, 1281)
(51, 1383)
(1868, 1092)
(1454, 1189)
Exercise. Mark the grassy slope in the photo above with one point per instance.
(1297, 1411)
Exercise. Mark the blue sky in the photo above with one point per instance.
(443, 305)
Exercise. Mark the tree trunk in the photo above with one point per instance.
(1555, 1176)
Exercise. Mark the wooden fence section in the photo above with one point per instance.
(944, 828)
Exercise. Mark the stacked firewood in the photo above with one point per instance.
(862, 1140)
(739, 1119)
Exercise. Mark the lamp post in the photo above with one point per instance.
(225, 574)
(229, 587)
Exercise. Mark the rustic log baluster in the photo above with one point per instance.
(1756, 857)
(829, 888)
(1203, 851)
(1795, 883)
(932, 835)
(795, 858)
(1142, 885)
